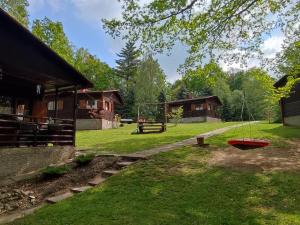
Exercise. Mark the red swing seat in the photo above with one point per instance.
(248, 143)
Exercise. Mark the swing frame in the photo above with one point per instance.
(247, 143)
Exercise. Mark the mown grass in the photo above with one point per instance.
(278, 134)
(180, 188)
(122, 141)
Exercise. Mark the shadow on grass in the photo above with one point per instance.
(284, 132)
(178, 188)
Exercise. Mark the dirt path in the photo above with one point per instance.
(190, 141)
(265, 159)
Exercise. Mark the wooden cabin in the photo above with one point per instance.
(290, 106)
(96, 109)
(29, 71)
(200, 109)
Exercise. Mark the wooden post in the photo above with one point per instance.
(166, 114)
(74, 115)
(282, 110)
(55, 102)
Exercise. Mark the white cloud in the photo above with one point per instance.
(55, 5)
(272, 45)
(94, 10)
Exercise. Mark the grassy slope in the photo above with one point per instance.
(276, 133)
(122, 141)
(179, 188)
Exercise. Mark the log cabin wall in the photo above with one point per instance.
(102, 102)
(292, 103)
(196, 108)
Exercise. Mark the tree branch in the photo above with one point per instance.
(189, 6)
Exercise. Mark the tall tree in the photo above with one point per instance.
(128, 63)
(99, 73)
(150, 82)
(17, 9)
(161, 114)
(52, 34)
(202, 80)
(289, 62)
(204, 25)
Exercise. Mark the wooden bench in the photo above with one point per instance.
(151, 127)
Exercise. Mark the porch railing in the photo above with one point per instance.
(21, 131)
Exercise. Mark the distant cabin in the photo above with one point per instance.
(200, 109)
(290, 106)
(96, 109)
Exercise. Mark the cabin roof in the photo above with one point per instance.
(27, 60)
(214, 97)
(283, 80)
(116, 92)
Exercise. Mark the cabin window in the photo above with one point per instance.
(60, 105)
(51, 105)
(107, 106)
(199, 107)
(82, 104)
(91, 104)
(5, 105)
(209, 107)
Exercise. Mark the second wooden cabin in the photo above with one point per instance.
(96, 109)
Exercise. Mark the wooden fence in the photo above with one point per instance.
(19, 131)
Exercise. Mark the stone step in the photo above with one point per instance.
(133, 157)
(96, 181)
(80, 189)
(124, 163)
(59, 198)
(110, 172)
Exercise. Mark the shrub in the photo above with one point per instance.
(82, 160)
(55, 171)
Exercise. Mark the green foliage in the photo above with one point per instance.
(127, 110)
(161, 112)
(127, 64)
(206, 27)
(17, 9)
(100, 74)
(179, 187)
(83, 160)
(225, 111)
(149, 83)
(289, 62)
(53, 35)
(176, 116)
(202, 80)
(55, 171)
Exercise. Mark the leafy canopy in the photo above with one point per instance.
(53, 35)
(207, 27)
(17, 9)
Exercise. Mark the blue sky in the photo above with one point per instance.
(82, 23)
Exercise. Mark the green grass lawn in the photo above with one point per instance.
(179, 187)
(122, 141)
(276, 133)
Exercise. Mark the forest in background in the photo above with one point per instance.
(141, 80)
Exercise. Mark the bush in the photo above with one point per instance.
(82, 160)
(55, 171)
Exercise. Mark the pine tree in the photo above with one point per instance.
(182, 93)
(128, 63)
(126, 110)
(225, 111)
